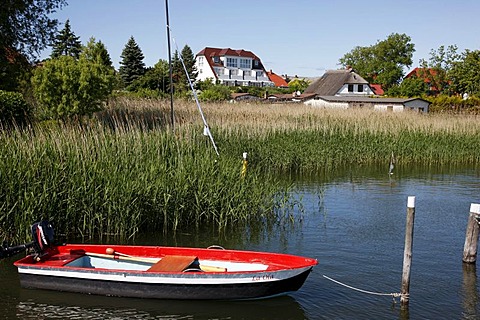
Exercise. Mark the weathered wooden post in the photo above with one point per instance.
(407, 255)
(471, 237)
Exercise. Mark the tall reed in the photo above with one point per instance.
(94, 181)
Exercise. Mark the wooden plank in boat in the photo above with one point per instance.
(173, 264)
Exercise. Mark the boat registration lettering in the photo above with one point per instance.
(264, 277)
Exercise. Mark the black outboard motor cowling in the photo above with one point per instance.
(42, 234)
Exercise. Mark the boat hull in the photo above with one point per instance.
(220, 291)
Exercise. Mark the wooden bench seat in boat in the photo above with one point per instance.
(173, 264)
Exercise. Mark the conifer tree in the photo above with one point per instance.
(97, 52)
(66, 43)
(131, 66)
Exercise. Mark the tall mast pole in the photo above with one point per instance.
(172, 119)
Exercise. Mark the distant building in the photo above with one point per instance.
(374, 103)
(345, 89)
(231, 67)
(277, 80)
(345, 82)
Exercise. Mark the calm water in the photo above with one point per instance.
(354, 225)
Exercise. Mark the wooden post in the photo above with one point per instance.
(407, 255)
(471, 237)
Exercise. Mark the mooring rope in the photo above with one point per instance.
(394, 295)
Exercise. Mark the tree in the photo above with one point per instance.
(97, 52)
(410, 87)
(156, 78)
(66, 43)
(384, 62)
(436, 70)
(298, 84)
(465, 74)
(66, 87)
(132, 65)
(25, 30)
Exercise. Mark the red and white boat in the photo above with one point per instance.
(160, 272)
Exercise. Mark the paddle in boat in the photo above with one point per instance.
(156, 271)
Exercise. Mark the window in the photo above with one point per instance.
(216, 59)
(200, 62)
(234, 72)
(259, 73)
(256, 63)
(245, 63)
(350, 88)
(360, 88)
(232, 62)
(247, 73)
(219, 71)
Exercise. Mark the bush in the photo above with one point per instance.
(13, 109)
(216, 93)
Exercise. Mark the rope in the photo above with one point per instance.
(206, 129)
(395, 295)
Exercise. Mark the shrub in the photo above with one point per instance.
(13, 109)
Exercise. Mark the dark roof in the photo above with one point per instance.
(333, 80)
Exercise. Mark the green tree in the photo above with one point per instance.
(298, 84)
(97, 52)
(131, 66)
(189, 60)
(436, 70)
(384, 62)
(410, 87)
(66, 87)
(465, 74)
(25, 30)
(66, 43)
(156, 78)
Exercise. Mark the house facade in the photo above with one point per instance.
(374, 103)
(231, 67)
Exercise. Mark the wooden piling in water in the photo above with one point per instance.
(471, 237)
(407, 255)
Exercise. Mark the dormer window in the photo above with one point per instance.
(216, 59)
(360, 88)
(350, 88)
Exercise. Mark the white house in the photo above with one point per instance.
(345, 82)
(375, 103)
(231, 67)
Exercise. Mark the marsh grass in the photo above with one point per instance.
(124, 171)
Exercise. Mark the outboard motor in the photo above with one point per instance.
(42, 233)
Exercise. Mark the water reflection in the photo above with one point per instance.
(40, 304)
(469, 291)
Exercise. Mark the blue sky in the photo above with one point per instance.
(303, 37)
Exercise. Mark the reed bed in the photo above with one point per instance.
(125, 171)
(285, 137)
(93, 181)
